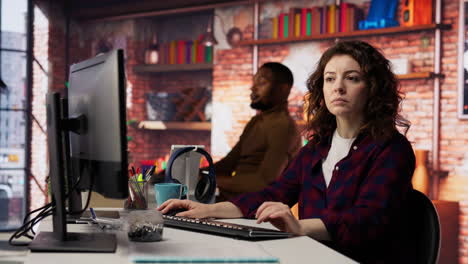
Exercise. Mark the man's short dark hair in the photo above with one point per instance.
(281, 73)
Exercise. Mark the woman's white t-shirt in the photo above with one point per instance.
(339, 149)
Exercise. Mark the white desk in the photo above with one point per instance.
(289, 251)
(11, 255)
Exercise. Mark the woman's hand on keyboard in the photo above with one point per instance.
(192, 209)
(200, 210)
(279, 215)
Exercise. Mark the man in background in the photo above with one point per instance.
(269, 140)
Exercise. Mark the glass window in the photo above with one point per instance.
(13, 132)
(12, 198)
(13, 24)
(13, 74)
(13, 112)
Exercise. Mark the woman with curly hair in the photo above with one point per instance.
(352, 178)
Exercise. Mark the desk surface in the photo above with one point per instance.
(291, 250)
(9, 254)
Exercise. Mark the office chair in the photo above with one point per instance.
(423, 228)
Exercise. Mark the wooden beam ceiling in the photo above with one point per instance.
(109, 9)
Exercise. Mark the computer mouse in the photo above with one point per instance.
(175, 211)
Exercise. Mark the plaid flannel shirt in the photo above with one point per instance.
(363, 200)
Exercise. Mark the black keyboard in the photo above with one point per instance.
(223, 228)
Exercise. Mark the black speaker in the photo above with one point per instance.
(206, 185)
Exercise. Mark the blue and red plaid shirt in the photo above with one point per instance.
(362, 203)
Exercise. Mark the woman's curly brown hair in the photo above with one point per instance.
(381, 112)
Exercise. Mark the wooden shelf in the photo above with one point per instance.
(358, 33)
(162, 125)
(155, 68)
(416, 75)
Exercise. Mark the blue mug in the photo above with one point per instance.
(166, 191)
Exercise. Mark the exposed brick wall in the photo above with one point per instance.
(39, 168)
(49, 51)
(232, 78)
(418, 105)
(453, 139)
(145, 144)
(152, 144)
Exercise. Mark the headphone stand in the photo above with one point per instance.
(205, 188)
(190, 191)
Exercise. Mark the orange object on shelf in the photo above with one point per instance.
(424, 16)
(408, 9)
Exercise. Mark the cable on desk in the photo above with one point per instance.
(27, 226)
(45, 211)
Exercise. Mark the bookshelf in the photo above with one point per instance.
(181, 55)
(293, 30)
(160, 68)
(162, 125)
(416, 75)
(357, 33)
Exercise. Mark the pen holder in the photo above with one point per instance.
(138, 194)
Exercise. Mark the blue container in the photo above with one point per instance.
(381, 15)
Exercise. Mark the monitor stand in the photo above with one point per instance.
(60, 240)
(73, 219)
(103, 213)
(76, 242)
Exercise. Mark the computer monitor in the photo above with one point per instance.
(99, 151)
(87, 147)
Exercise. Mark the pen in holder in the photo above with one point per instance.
(138, 188)
(138, 194)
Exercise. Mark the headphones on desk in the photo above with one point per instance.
(206, 186)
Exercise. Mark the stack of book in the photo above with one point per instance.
(300, 22)
(185, 52)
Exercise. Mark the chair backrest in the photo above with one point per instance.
(423, 228)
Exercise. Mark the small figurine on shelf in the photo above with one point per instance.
(152, 52)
